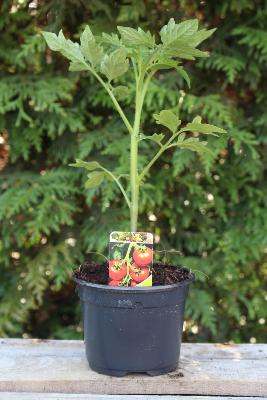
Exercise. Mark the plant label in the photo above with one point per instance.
(130, 259)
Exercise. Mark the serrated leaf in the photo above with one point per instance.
(206, 129)
(136, 37)
(201, 35)
(194, 144)
(91, 51)
(156, 137)
(112, 39)
(117, 255)
(70, 49)
(76, 66)
(197, 119)
(169, 119)
(65, 46)
(182, 49)
(121, 92)
(181, 137)
(89, 165)
(173, 31)
(115, 64)
(52, 40)
(184, 75)
(163, 63)
(95, 179)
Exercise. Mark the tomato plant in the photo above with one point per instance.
(143, 256)
(117, 269)
(139, 274)
(136, 52)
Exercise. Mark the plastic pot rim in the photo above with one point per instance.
(129, 289)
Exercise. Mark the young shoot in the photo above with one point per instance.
(134, 51)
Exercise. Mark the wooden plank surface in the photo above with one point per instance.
(64, 396)
(61, 367)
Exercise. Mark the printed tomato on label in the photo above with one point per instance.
(139, 274)
(114, 283)
(117, 269)
(143, 256)
(133, 283)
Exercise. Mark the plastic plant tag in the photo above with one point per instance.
(130, 259)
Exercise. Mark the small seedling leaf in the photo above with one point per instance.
(169, 119)
(95, 178)
(115, 64)
(89, 165)
(136, 37)
(91, 51)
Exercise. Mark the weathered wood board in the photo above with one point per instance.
(65, 396)
(61, 367)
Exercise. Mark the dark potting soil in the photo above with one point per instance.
(163, 274)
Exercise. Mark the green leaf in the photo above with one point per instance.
(95, 179)
(90, 49)
(156, 137)
(76, 66)
(90, 165)
(184, 75)
(52, 40)
(69, 49)
(65, 46)
(121, 92)
(181, 137)
(163, 63)
(206, 129)
(117, 254)
(182, 49)
(115, 64)
(169, 119)
(181, 40)
(173, 31)
(200, 36)
(168, 63)
(193, 144)
(112, 39)
(136, 37)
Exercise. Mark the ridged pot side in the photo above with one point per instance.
(133, 330)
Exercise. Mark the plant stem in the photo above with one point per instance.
(141, 88)
(119, 185)
(114, 100)
(134, 167)
(151, 162)
(164, 147)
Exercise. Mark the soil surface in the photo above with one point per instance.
(163, 274)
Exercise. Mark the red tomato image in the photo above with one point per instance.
(133, 283)
(139, 274)
(143, 256)
(117, 270)
(114, 283)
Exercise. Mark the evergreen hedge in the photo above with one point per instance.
(212, 211)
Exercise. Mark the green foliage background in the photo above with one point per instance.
(213, 211)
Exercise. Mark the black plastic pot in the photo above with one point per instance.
(133, 330)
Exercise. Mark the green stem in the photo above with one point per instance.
(164, 147)
(134, 168)
(126, 258)
(151, 162)
(134, 177)
(114, 100)
(119, 185)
